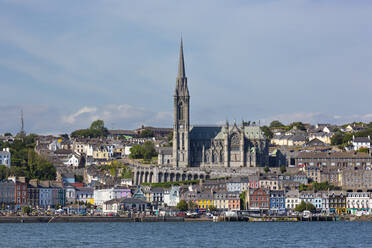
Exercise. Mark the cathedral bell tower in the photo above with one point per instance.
(181, 124)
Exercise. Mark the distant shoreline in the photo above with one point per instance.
(98, 219)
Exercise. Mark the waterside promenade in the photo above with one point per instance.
(76, 219)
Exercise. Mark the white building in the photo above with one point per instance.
(127, 150)
(361, 142)
(172, 196)
(357, 201)
(237, 185)
(80, 148)
(70, 194)
(322, 136)
(72, 160)
(5, 157)
(55, 145)
(103, 195)
(292, 199)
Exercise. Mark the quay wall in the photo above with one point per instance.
(74, 219)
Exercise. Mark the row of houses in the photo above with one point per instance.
(15, 193)
(80, 152)
(338, 202)
(318, 135)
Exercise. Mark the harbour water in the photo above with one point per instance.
(202, 234)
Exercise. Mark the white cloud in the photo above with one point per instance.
(71, 119)
(117, 116)
(318, 117)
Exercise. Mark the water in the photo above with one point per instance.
(206, 234)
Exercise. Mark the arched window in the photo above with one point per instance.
(235, 142)
(180, 111)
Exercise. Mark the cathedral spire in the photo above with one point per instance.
(181, 63)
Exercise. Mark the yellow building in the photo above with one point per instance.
(100, 154)
(204, 200)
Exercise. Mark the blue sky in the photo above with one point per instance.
(66, 63)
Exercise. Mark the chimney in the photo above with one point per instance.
(33, 182)
(22, 180)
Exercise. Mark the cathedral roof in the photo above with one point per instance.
(216, 132)
(253, 132)
(204, 132)
(250, 132)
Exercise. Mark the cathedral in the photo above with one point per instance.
(212, 146)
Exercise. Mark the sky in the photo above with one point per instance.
(68, 63)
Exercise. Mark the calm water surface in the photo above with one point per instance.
(238, 234)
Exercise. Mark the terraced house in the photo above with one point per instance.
(358, 201)
(331, 160)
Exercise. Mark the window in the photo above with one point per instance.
(180, 111)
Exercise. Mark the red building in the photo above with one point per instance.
(259, 199)
(20, 193)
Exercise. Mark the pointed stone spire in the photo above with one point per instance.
(181, 63)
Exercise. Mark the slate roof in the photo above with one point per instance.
(315, 142)
(361, 139)
(166, 150)
(333, 155)
(204, 132)
(157, 190)
(298, 138)
(250, 132)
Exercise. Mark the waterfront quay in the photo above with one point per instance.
(240, 218)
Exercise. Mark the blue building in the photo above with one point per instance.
(277, 201)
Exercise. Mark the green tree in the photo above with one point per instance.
(146, 133)
(299, 125)
(283, 169)
(97, 129)
(191, 205)
(148, 150)
(26, 210)
(170, 139)
(4, 172)
(97, 125)
(182, 205)
(212, 208)
(113, 171)
(136, 152)
(242, 200)
(276, 123)
(8, 134)
(267, 132)
(266, 169)
(126, 173)
(337, 139)
(305, 206)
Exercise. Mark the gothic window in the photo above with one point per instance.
(180, 111)
(235, 142)
(183, 141)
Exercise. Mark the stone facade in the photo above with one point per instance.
(212, 146)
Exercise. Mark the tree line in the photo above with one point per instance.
(26, 162)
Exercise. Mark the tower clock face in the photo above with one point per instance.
(181, 126)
